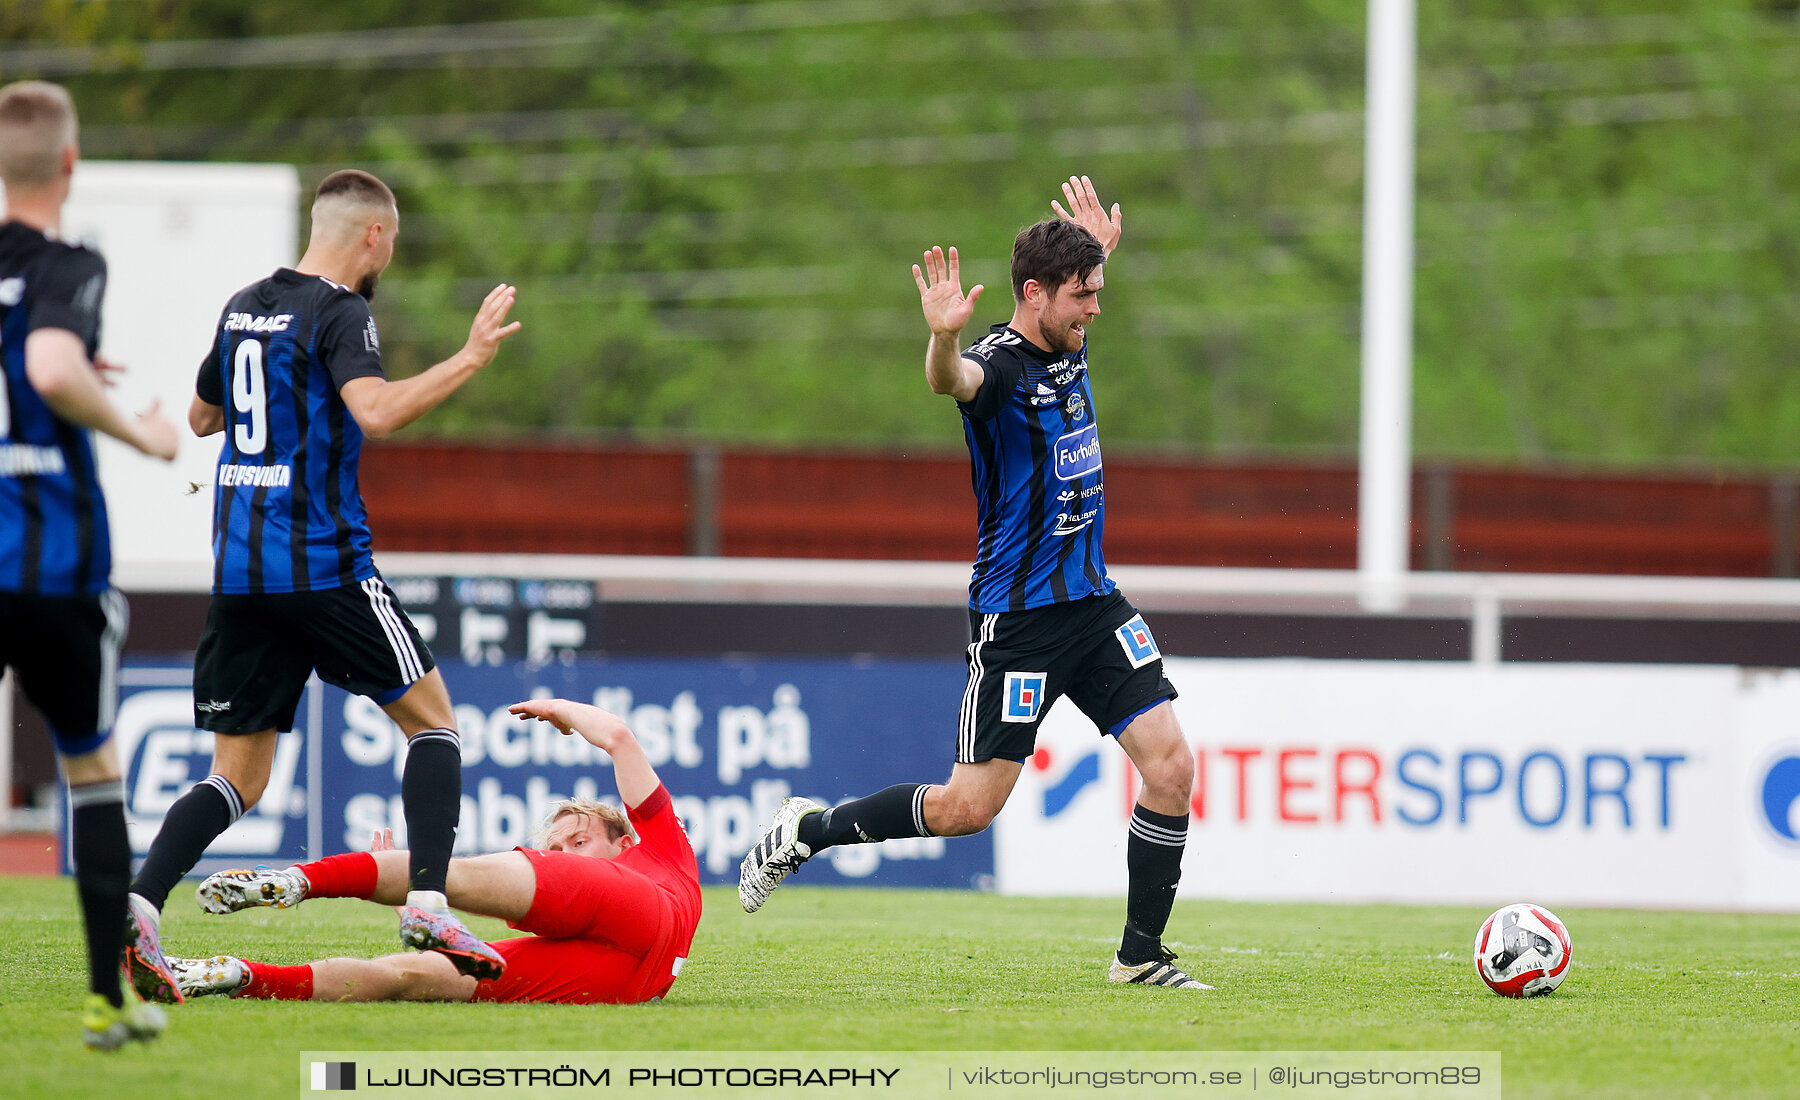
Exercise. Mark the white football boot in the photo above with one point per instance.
(229, 891)
(776, 855)
(1158, 971)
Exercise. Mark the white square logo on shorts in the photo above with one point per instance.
(1024, 696)
(1140, 647)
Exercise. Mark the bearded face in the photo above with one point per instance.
(1064, 317)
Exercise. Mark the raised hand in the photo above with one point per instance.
(156, 434)
(601, 729)
(1085, 210)
(490, 325)
(941, 295)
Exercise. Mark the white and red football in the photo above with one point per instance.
(1522, 950)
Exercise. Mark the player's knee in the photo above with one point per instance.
(1171, 774)
(249, 789)
(963, 817)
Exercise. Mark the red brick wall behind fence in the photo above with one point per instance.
(617, 500)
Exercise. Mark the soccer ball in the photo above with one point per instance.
(1522, 951)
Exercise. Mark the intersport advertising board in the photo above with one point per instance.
(1366, 781)
(730, 739)
(1348, 781)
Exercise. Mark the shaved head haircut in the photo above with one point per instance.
(345, 206)
(348, 201)
(37, 123)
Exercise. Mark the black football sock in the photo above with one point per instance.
(102, 851)
(196, 820)
(1153, 865)
(894, 812)
(431, 788)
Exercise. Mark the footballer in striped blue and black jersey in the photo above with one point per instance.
(54, 539)
(288, 514)
(1045, 621)
(62, 624)
(1040, 493)
(294, 364)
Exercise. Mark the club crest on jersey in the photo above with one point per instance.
(1076, 407)
(1024, 696)
(1078, 453)
(1140, 646)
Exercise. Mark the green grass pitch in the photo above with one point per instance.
(1658, 1004)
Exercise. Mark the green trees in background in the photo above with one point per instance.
(711, 210)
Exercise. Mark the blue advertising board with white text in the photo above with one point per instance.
(730, 739)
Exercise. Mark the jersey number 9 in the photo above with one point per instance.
(249, 394)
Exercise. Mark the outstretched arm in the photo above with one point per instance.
(947, 310)
(56, 362)
(636, 779)
(1085, 210)
(382, 408)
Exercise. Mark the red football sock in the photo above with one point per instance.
(351, 875)
(278, 983)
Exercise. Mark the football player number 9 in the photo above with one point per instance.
(250, 395)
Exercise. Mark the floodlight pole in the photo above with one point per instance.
(1384, 499)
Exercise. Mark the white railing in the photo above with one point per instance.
(1484, 598)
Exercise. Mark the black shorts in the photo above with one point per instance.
(65, 650)
(258, 650)
(1096, 650)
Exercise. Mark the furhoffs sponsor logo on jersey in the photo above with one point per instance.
(1078, 453)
